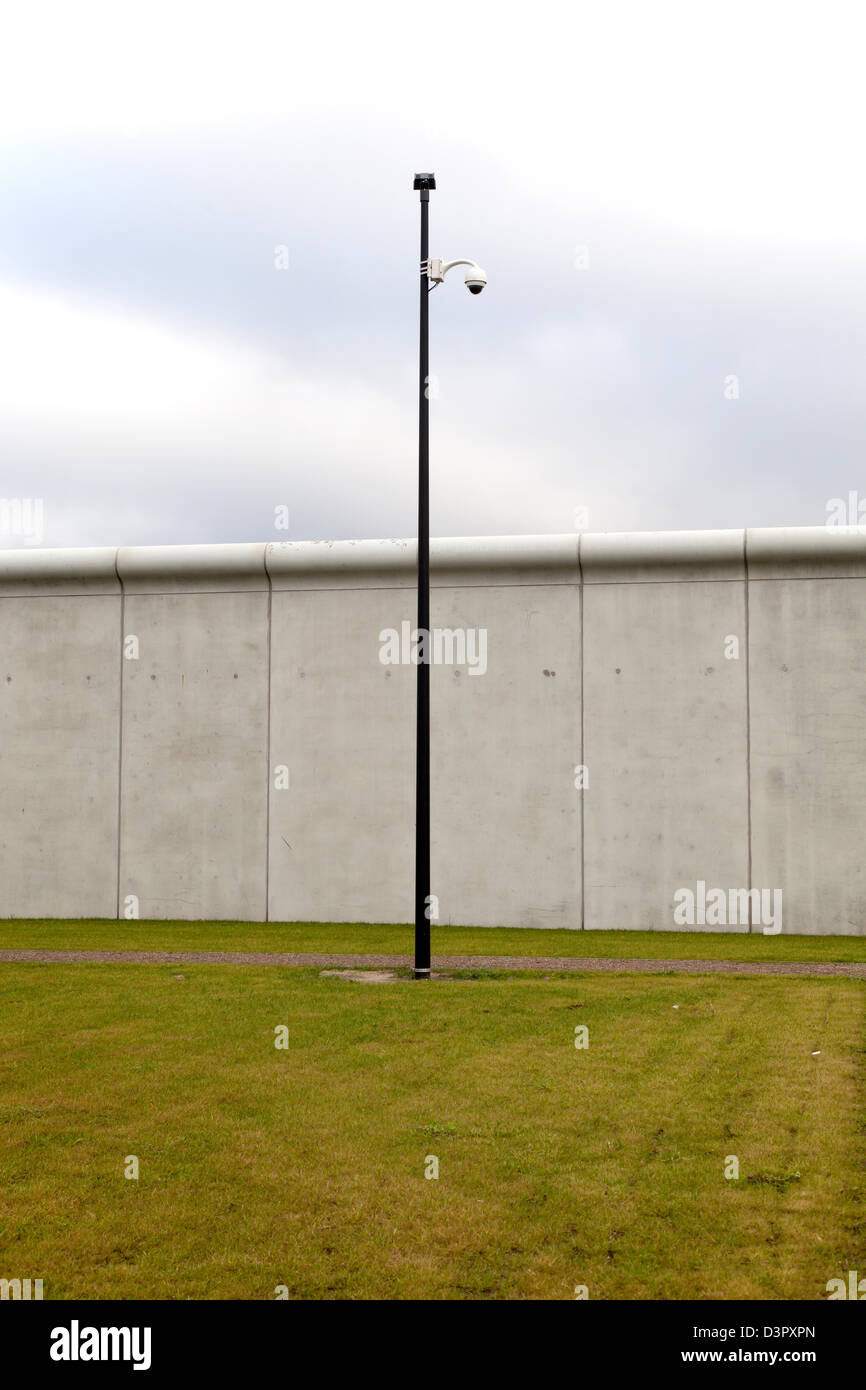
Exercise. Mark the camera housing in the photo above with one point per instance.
(436, 269)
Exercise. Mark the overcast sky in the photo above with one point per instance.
(668, 201)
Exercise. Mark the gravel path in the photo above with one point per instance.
(597, 964)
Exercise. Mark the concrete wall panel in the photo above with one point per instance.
(343, 724)
(665, 746)
(504, 746)
(808, 721)
(59, 751)
(194, 777)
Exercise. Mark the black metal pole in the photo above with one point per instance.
(423, 182)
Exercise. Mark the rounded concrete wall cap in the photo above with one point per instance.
(457, 559)
(72, 570)
(806, 551)
(627, 556)
(505, 552)
(459, 551)
(611, 557)
(192, 566)
(341, 557)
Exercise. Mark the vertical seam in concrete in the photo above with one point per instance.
(268, 753)
(582, 798)
(120, 727)
(748, 726)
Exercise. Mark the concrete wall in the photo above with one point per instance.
(210, 731)
(665, 729)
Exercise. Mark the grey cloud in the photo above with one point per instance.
(601, 386)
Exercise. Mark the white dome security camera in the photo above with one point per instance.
(437, 269)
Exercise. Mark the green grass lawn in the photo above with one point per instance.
(305, 1167)
(108, 934)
